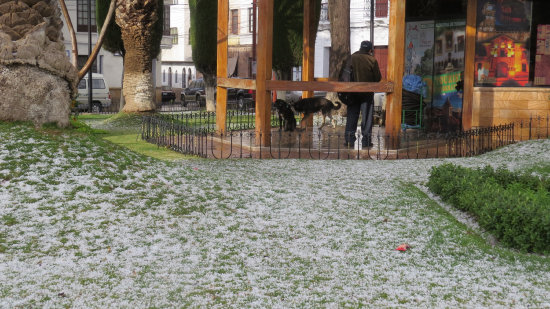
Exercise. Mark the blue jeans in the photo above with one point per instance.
(366, 108)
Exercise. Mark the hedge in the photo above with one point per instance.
(514, 207)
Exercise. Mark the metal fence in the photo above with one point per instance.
(194, 133)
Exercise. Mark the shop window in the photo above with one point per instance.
(506, 29)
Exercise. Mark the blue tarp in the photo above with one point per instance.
(414, 83)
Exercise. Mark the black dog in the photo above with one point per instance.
(286, 115)
(317, 104)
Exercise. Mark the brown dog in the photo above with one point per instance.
(313, 105)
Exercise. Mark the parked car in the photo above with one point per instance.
(244, 98)
(168, 95)
(101, 97)
(196, 93)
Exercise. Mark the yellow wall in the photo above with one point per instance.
(497, 106)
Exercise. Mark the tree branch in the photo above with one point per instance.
(99, 42)
(71, 31)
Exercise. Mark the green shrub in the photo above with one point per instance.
(514, 207)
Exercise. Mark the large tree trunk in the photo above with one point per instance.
(136, 19)
(138, 80)
(339, 17)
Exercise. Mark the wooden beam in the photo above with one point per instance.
(469, 66)
(320, 84)
(264, 71)
(221, 71)
(308, 59)
(330, 86)
(236, 83)
(396, 62)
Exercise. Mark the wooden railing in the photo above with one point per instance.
(317, 85)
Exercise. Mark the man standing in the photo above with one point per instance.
(365, 69)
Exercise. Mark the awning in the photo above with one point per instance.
(232, 65)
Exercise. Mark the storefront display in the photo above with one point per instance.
(502, 49)
(542, 59)
(419, 53)
(448, 71)
(435, 52)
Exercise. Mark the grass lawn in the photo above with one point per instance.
(87, 223)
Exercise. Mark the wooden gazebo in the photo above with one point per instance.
(264, 83)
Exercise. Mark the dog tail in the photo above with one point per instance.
(337, 105)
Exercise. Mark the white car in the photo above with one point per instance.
(101, 97)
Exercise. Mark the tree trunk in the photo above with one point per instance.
(339, 17)
(210, 87)
(136, 19)
(37, 80)
(121, 103)
(138, 80)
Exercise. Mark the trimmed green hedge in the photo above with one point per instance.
(514, 207)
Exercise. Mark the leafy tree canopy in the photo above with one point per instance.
(204, 21)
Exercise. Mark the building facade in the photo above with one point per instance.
(177, 68)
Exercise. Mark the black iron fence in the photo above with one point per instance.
(195, 133)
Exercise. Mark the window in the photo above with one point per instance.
(100, 68)
(163, 76)
(235, 21)
(381, 8)
(174, 34)
(250, 20)
(82, 16)
(166, 26)
(82, 84)
(98, 83)
(176, 76)
(81, 61)
(324, 12)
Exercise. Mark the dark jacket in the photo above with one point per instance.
(365, 67)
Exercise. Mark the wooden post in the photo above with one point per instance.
(264, 69)
(396, 62)
(469, 66)
(308, 59)
(221, 71)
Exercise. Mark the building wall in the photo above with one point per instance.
(498, 106)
